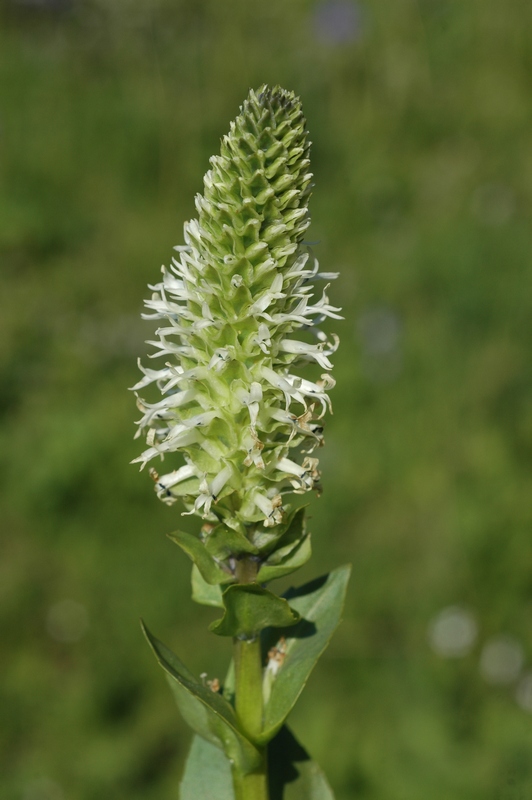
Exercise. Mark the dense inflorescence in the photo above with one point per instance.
(232, 305)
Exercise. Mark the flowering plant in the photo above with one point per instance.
(240, 427)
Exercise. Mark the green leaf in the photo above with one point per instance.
(206, 767)
(297, 555)
(269, 539)
(222, 542)
(290, 539)
(320, 604)
(205, 593)
(196, 550)
(292, 773)
(249, 609)
(207, 712)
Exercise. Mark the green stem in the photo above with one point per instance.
(249, 711)
(251, 787)
(249, 702)
(248, 686)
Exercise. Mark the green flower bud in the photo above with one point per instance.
(239, 322)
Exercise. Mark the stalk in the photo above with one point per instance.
(251, 787)
(249, 686)
(249, 710)
(249, 702)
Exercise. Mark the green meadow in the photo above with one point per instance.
(420, 114)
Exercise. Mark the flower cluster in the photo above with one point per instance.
(239, 320)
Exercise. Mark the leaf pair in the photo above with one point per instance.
(207, 712)
(249, 609)
(319, 605)
(314, 608)
(218, 550)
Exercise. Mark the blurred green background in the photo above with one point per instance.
(420, 112)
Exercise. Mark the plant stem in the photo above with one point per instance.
(253, 786)
(248, 686)
(249, 700)
(249, 711)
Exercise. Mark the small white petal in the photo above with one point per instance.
(221, 357)
(177, 476)
(312, 351)
(286, 465)
(218, 483)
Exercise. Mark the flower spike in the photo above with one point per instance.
(238, 321)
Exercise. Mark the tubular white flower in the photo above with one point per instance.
(310, 351)
(231, 306)
(168, 482)
(270, 507)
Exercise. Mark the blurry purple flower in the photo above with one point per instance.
(337, 21)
